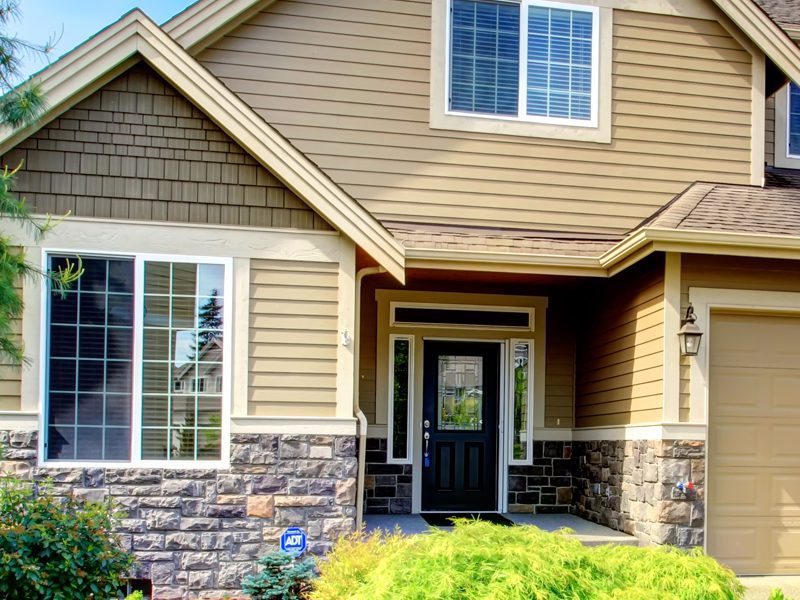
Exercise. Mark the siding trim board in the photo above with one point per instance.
(75, 75)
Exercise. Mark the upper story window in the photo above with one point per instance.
(128, 351)
(793, 122)
(522, 67)
(527, 60)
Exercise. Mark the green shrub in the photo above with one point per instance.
(282, 577)
(478, 560)
(778, 594)
(54, 548)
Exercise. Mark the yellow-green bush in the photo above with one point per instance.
(481, 561)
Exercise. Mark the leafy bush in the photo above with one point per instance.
(54, 548)
(478, 560)
(282, 578)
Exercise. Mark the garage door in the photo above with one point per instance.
(754, 443)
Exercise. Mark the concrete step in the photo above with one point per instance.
(588, 533)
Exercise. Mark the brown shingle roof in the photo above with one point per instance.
(771, 210)
(785, 13)
(476, 239)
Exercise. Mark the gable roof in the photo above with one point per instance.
(134, 37)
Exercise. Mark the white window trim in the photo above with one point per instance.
(598, 129)
(136, 391)
(512, 344)
(410, 404)
(782, 157)
(393, 306)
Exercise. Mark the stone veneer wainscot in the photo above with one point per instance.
(628, 485)
(198, 532)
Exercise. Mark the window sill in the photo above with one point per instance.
(480, 124)
(152, 464)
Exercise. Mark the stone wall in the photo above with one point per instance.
(197, 532)
(545, 486)
(387, 488)
(631, 486)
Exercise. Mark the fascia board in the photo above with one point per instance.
(765, 33)
(207, 20)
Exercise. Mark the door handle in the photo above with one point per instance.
(426, 457)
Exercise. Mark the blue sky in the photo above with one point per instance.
(79, 19)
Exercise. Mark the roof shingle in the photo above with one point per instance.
(771, 210)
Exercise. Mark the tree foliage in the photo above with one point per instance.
(282, 577)
(20, 105)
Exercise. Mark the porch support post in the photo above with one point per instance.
(672, 322)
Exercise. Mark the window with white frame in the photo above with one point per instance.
(530, 60)
(521, 417)
(793, 122)
(401, 382)
(125, 349)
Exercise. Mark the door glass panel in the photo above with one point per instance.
(459, 393)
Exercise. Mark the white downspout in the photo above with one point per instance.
(362, 418)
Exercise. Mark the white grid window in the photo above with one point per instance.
(130, 352)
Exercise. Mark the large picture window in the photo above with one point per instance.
(530, 60)
(136, 361)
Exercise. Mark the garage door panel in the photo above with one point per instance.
(736, 443)
(755, 492)
(785, 393)
(753, 486)
(740, 341)
(743, 391)
(784, 440)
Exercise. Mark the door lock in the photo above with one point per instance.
(426, 424)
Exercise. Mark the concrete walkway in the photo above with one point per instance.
(590, 534)
(759, 588)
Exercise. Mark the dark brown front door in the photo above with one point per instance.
(461, 390)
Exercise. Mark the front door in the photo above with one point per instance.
(460, 400)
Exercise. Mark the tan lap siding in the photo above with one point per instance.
(559, 393)
(698, 270)
(136, 149)
(620, 349)
(348, 83)
(293, 338)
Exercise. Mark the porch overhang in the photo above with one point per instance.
(624, 254)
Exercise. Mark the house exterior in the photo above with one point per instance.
(408, 256)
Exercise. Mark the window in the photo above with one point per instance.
(401, 381)
(793, 122)
(527, 60)
(787, 127)
(521, 410)
(534, 68)
(129, 349)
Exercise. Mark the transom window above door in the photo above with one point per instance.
(529, 60)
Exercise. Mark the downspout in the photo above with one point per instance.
(362, 418)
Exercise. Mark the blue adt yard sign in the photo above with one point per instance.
(293, 541)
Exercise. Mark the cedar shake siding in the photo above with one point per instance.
(620, 355)
(137, 149)
(348, 84)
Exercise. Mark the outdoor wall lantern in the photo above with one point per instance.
(689, 334)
